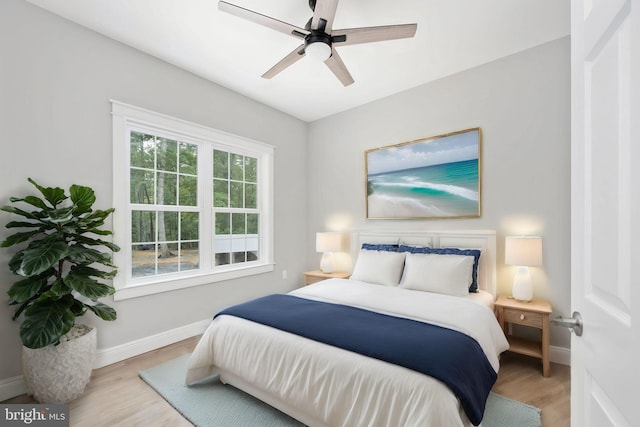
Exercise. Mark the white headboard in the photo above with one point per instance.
(467, 239)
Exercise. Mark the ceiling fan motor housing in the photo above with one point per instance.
(316, 36)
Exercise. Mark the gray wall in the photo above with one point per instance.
(56, 79)
(522, 104)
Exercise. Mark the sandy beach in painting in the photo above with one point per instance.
(397, 207)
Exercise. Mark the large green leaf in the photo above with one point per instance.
(53, 195)
(97, 242)
(26, 289)
(16, 238)
(36, 201)
(84, 224)
(19, 224)
(16, 261)
(45, 322)
(99, 215)
(17, 211)
(61, 216)
(103, 311)
(32, 200)
(59, 288)
(79, 254)
(93, 221)
(87, 286)
(99, 232)
(85, 270)
(78, 229)
(82, 197)
(41, 256)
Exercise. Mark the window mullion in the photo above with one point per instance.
(205, 204)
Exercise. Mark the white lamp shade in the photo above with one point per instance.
(523, 250)
(328, 242)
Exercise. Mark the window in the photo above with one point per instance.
(236, 214)
(163, 184)
(193, 204)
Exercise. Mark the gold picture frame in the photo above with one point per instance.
(429, 178)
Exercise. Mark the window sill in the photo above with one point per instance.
(139, 290)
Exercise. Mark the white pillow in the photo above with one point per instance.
(442, 274)
(380, 267)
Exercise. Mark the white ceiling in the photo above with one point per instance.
(452, 35)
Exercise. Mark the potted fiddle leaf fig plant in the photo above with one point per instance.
(64, 268)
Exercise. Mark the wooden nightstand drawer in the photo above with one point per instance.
(521, 317)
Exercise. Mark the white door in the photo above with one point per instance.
(605, 245)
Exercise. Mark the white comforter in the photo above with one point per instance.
(331, 386)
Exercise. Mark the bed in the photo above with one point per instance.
(325, 383)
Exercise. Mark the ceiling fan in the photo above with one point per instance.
(319, 38)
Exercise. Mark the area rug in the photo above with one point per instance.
(212, 404)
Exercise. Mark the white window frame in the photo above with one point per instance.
(126, 118)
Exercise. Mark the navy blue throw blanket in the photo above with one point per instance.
(447, 355)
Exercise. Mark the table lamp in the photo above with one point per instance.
(524, 252)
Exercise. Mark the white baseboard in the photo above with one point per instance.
(561, 355)
(15, 386)
(12, 387)
(108, 356)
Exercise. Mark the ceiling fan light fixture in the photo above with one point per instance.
(318, 51)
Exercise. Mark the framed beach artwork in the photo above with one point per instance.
(435, 177)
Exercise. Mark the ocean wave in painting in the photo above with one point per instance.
(431, 188)
(449, 189)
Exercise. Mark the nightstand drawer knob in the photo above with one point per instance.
(521, 316)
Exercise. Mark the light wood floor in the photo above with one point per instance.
(520, 378)
(116, 396)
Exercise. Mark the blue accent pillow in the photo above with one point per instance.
(475, 253)
(386, 247)
(415, 249)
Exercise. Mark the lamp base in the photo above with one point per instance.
(522, 289)
(327, 264)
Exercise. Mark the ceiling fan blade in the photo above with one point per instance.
(296, 55)
(263, 20)
(338, 68)
(373, 34)
(325, 10)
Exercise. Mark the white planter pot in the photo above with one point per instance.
(59, 374)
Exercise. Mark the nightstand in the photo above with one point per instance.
(317, 275)
(534, 314)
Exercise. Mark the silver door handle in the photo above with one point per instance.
(574, 323)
